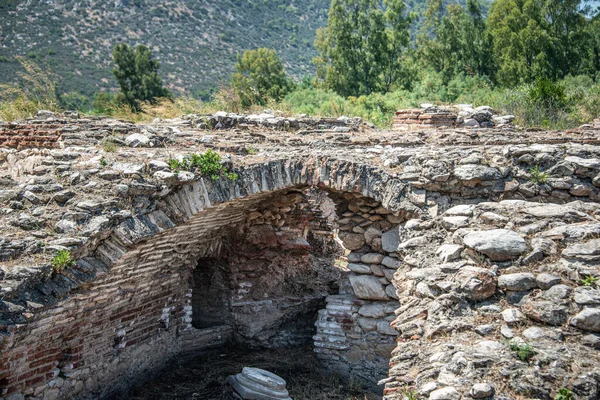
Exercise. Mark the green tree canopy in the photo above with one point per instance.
(539, 39)
(259, 76)
(454, 41)
(361, 46)
(137, 75)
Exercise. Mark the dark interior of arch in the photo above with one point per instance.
(273, 273)
(281, 279)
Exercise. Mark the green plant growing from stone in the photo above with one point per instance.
(589, 281)
(523, 352)
(410, 395)
(109, 147)
(537, 176)
(251, 150)
(564, 394)
(206, 164)
(178, 165)
(62, 260)
(103, 162)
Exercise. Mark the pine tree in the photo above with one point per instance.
(137, 75)
(453, 40)
(521, 40)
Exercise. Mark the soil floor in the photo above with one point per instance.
(203, 377)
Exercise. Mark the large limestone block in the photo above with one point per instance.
(518, 282)
(476, 283)
(589, 251)
(390, 240)
(497, 244)
(546, 311)
(475, 172)
(353, 241)
(588, 320)
(367, 287)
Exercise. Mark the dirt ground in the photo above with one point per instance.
(203, 377)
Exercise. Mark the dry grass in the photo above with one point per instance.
(36, 92)
(203, 377)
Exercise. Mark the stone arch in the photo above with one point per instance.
(126, 288)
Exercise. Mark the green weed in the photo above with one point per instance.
(109, 147)
(564, 394)
(537, 176)
(589, 280)
(61, 260)
(523, 352)
(206, 164)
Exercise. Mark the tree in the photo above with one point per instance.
(521, 40)
(453, 41)
(259, 76)
(361, 46)
(476, 42)
(439, 40)
(569, 37)
(592, 53)
(137, 75)
(398, 38)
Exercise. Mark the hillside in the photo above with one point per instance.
(195, 40)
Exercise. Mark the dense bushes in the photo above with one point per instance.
(565, 104)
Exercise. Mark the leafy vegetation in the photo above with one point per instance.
(374, 56)
(260, 76)
(537, 176)
(523, 352)
(62, 260)
(196, 40)
(361, 46)
(206, 164)
(564, 394)
(109, 147)
(590, 281)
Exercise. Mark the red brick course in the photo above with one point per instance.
(21, 136)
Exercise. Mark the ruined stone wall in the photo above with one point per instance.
(139, 311)
(353, 331)
(136, 226)
(493, 301)
(277, 280)
(129, 321)
(417, 117)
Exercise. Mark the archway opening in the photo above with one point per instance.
(302, 266)
(305, 270)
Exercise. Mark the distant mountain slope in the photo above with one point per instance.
(195, 40)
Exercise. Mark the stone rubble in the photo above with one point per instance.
(447, 116)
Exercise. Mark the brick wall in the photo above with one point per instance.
(406, 119)
(30, 135)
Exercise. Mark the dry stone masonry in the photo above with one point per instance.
(465, 115)
(443, 263)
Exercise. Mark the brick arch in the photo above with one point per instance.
(186, 205)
